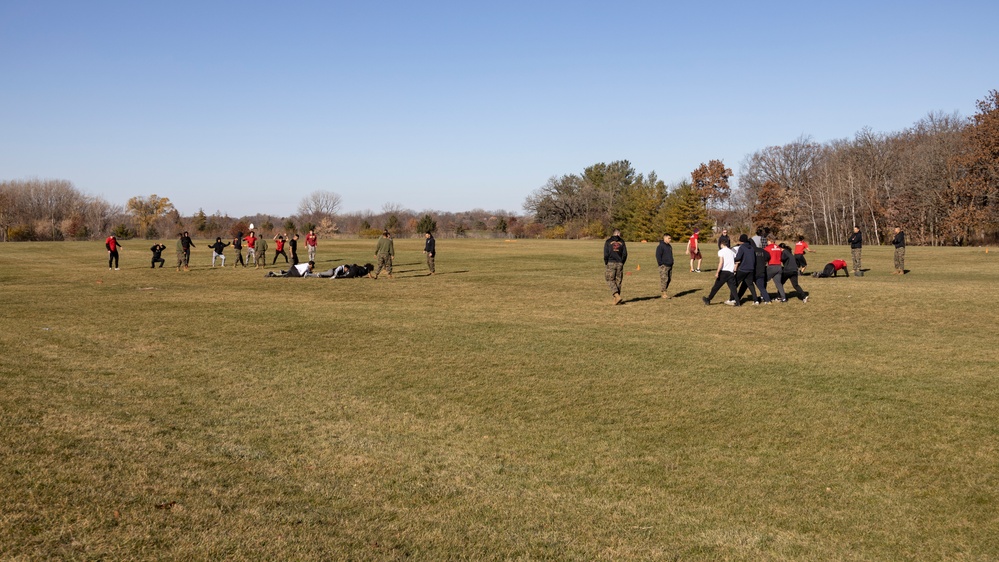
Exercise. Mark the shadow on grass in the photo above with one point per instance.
(685, 293)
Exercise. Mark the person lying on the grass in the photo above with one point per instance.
(832, 269)
(347, 271)
(298, 270)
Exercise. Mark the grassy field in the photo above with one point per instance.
(502, 409)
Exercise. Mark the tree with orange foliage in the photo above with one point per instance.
(711, 181)
(973, 212)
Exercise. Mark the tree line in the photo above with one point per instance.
(37, 209)
(938, 180)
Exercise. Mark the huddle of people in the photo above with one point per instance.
(750, 265)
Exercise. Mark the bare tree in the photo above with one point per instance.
(320, 204)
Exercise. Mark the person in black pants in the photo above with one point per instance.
(294, 249)
(745, 271)
(790, 272)
(157, 251)
(724, 275)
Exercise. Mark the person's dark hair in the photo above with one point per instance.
(759, 232)
(312, 263)
(801, 238)
(368, 267)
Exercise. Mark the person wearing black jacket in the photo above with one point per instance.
(899, 242)
(430, 249)
(664, 257)
(293, 244)
(724, 239)
(237, 244)
(745, 271)
(217, 248)
(157, 251)
(790, 271)
(856, 241)
(615, 255)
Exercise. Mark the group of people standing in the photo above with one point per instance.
(750, 265)
(256, 250)
(256, 253)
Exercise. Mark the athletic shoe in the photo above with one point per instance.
(729, 302)
(805, 299)
(756, 303)
(117, 269)
(697, 270)
(783, 300)
(706, 300)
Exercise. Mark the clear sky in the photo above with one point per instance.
(248, 106)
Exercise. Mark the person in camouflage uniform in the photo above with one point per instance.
(615, 254)
(385, 251)
(899, 242)
(261, 252)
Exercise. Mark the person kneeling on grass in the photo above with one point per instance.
(347, 271)
(299, 270)
(832, 269)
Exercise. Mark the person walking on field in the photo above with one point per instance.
(664, 257)
(856, 241)
(774, 267)
(800, 248)
(694, 251)
(724, 275)
(217, 249)
(899, 242)
(157, 251)
(615, 256)
(111, 243)
(384, 251)
(790, 272)
(745, 271)
(187, 243)
(430, 249)
(181, 254)
(310, 243)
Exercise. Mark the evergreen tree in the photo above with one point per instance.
(682, 211)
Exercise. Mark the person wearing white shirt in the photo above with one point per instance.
(724, 275)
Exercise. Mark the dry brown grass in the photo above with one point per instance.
(500, 410)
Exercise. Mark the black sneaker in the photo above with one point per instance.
(706, 300)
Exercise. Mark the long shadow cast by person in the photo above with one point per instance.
(640, 299)
(685, 293)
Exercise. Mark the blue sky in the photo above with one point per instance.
(247, 107)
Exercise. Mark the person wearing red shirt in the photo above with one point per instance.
(279, 249)
(694, 251)
(774, 267)
(310, 243)
(251, 251)
(112, 245)
(832, 269)
(800, 248)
